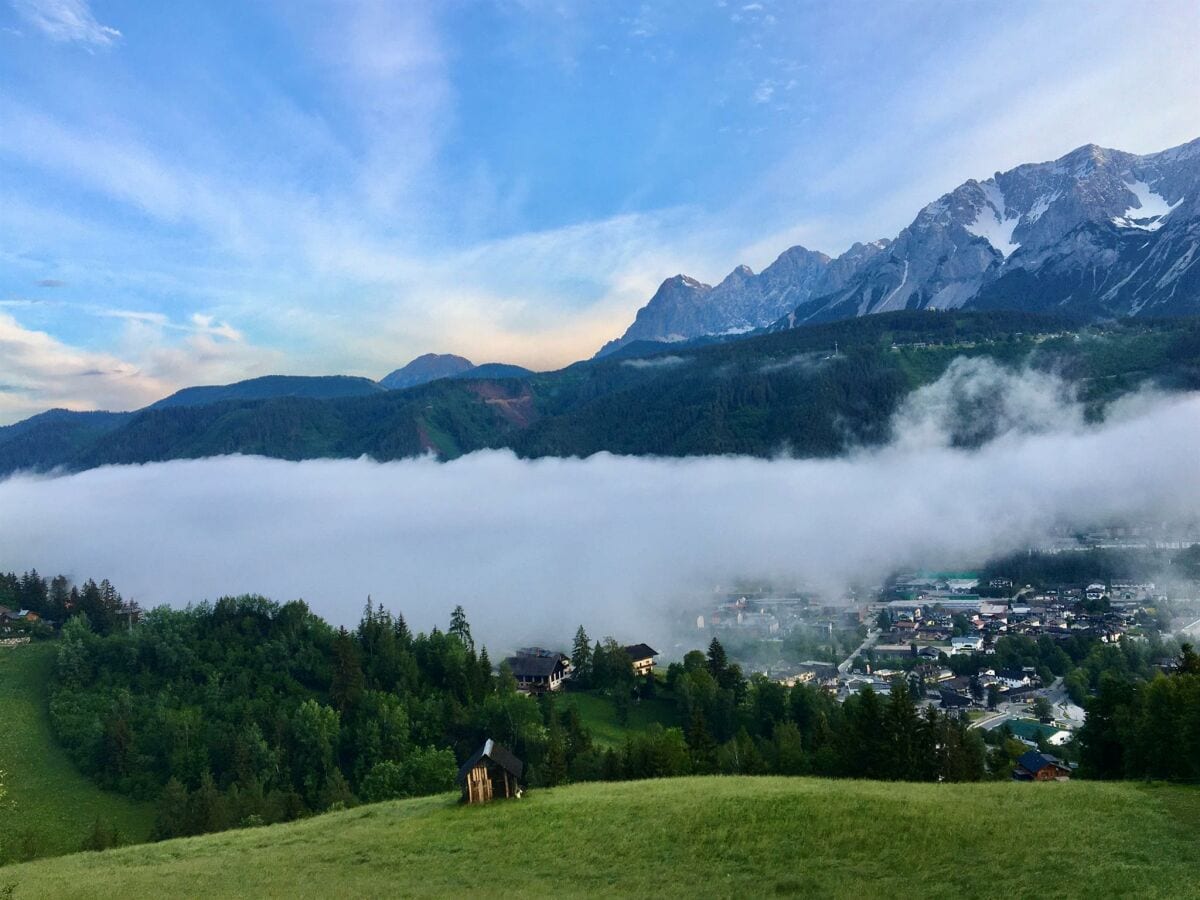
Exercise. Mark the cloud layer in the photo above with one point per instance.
(533, 548)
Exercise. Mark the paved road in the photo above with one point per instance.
(1064, 709)
(872, 637)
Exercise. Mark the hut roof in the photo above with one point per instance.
(1033, 761)
(492, 752)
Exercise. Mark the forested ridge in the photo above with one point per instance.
(812, 391)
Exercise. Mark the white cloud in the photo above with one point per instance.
(66, 21)
(616, 543)
(764, 91)
(39, 372)
(153, 358)
(655, 362)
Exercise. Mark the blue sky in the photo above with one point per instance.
(197, 192)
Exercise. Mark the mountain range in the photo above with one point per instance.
(1097, 234)
(807, 392)
(1099, 246)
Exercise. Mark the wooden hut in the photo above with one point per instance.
(491, 773)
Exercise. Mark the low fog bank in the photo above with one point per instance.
(533, 548)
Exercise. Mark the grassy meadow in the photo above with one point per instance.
(689, 837)
(599, 715)
(51, 806)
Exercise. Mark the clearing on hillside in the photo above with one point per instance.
(687, 837)
(52, 806)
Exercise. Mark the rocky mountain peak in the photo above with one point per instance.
(1098, 230)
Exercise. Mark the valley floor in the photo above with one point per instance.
(692, 837)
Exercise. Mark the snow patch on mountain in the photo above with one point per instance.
(994, 224)
(1040, 206)
(1152, 208)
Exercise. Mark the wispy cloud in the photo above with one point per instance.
(66, 21)
(152, 358)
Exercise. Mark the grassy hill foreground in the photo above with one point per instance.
(51, 806)
(682, 838)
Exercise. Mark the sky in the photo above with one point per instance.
(199, 192)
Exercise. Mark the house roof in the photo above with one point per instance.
(492, 752)
(534, 666)
(640, 651)
(1033, 761)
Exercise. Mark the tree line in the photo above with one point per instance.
(731, 724)
(55, 599)
(1145, 729)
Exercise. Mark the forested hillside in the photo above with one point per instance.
(809, 391)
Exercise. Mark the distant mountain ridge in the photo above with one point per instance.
(269, 386)
(426, 368)
(808, 392)
(433, 366)
(1097, 233)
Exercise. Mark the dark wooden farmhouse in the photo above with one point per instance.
(539, 671)
(1035, 766)
(492, 773)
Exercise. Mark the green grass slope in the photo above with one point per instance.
(52, 807)
(599, 716)
(695, 837)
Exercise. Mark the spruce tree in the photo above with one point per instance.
(581, 658)
(717, 661)
(404, 636)
(347, 686)
(460, 628)
(701, 744)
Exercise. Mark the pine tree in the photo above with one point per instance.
(717, 661)
(701, 744)
(347, 686)
(484, 665)
(58, 599)
(206, 808)
(581, 658)
(460, 628)
(404, 636)
(554, 769)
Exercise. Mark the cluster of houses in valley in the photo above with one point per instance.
(773, 616)
(954, 620)
(16, 625)
(538, 670)
(922, 622)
